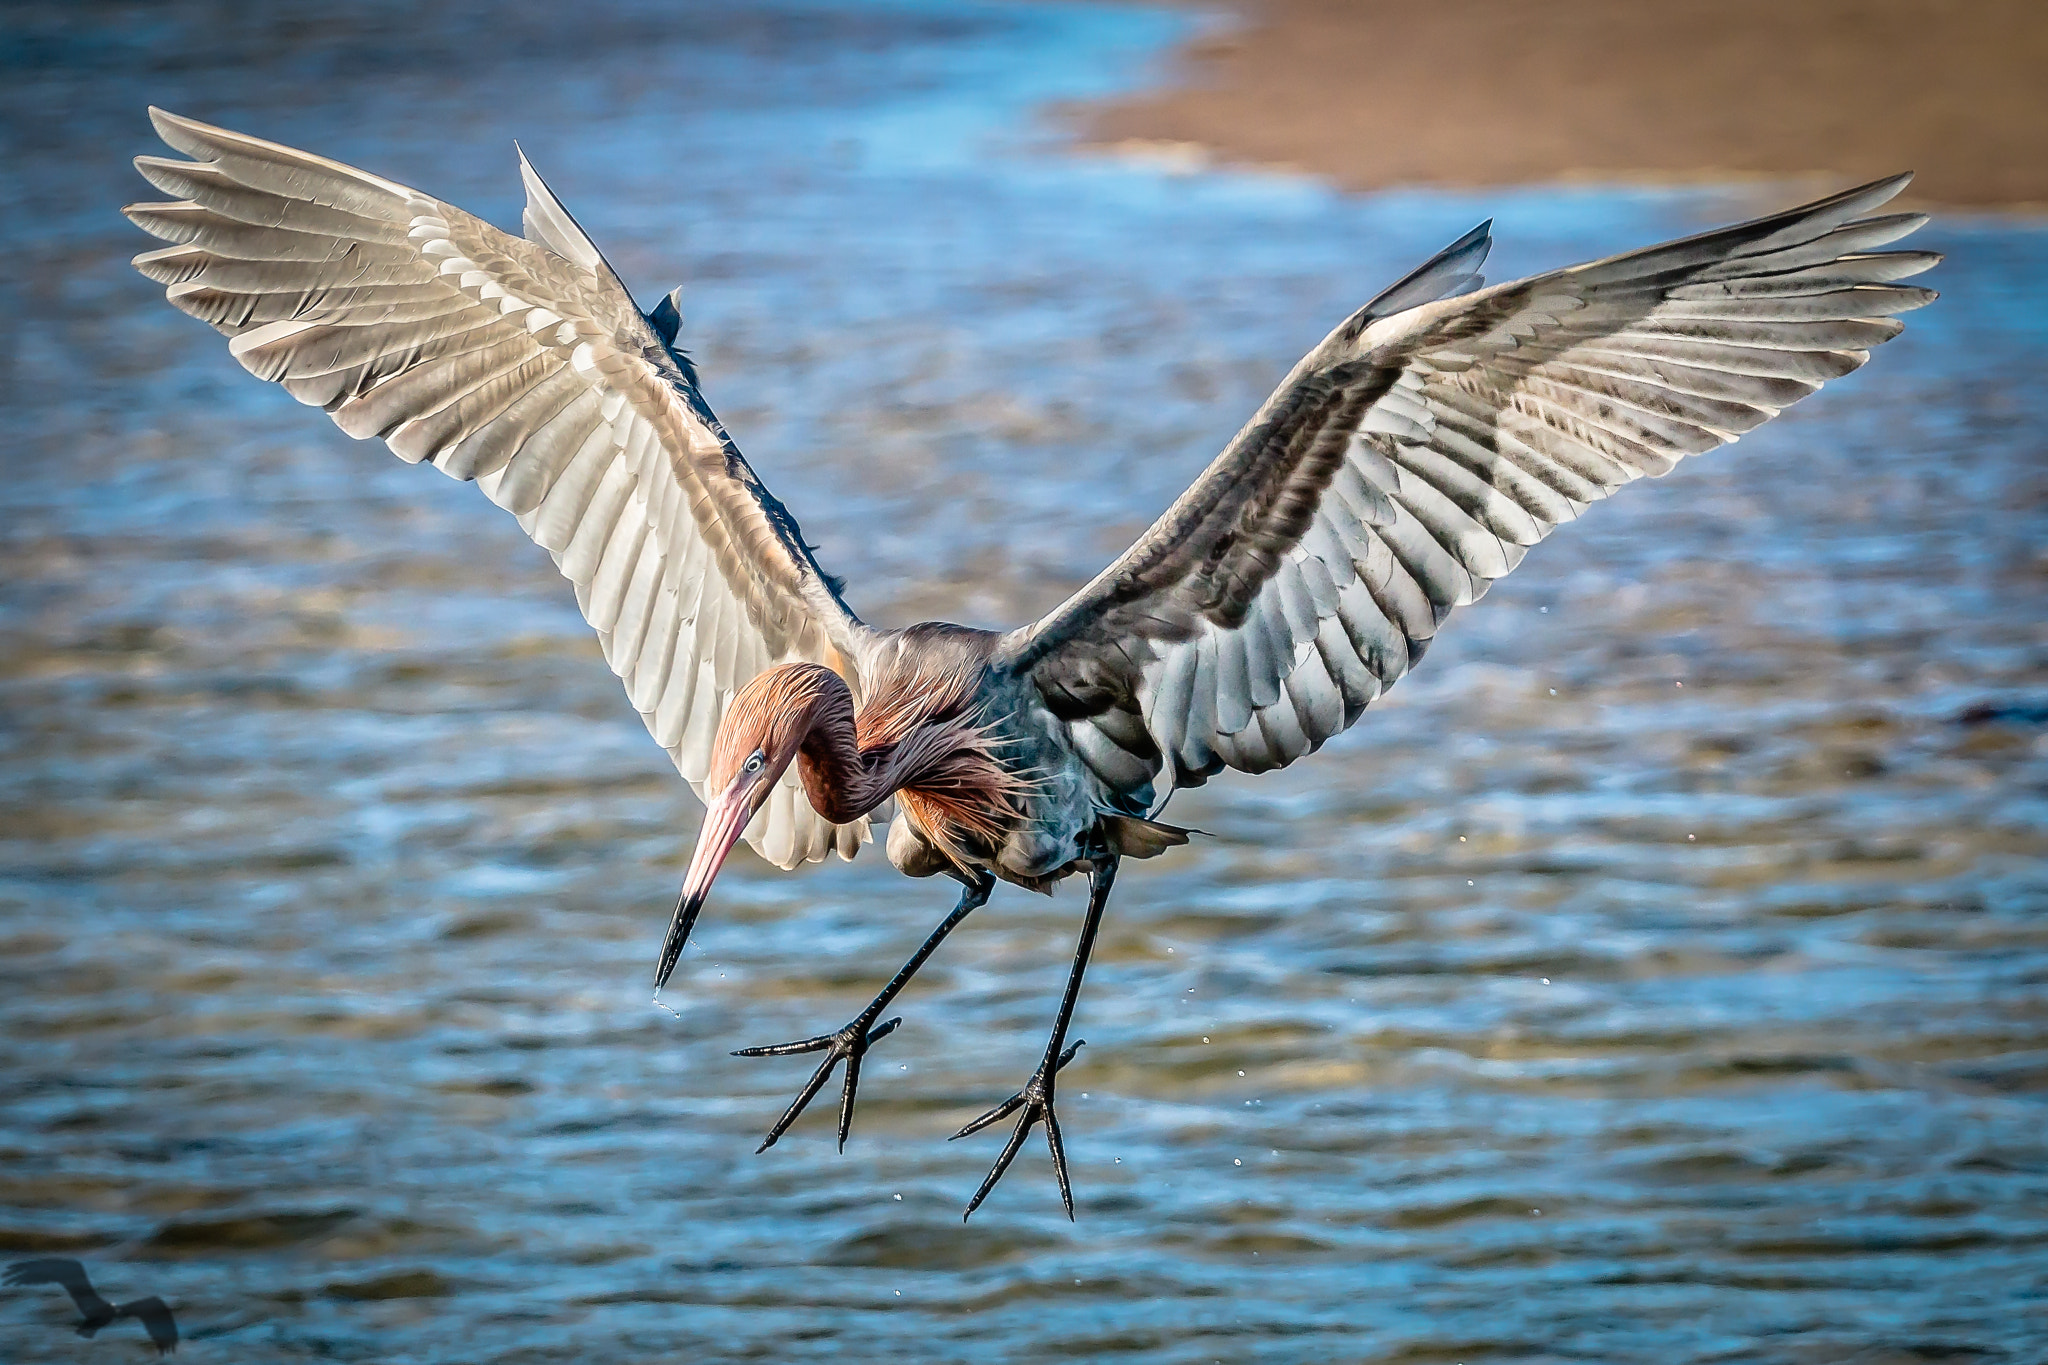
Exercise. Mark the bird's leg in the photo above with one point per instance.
(1036, 1098)
(851, 1043)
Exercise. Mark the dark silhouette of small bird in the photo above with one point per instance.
(153, 1313)
(1406, 463)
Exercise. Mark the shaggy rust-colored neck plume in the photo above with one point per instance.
(915, 739)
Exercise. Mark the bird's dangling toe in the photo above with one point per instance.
(1036, 1100)
(849, 1045)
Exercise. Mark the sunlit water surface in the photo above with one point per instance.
(1658, 975)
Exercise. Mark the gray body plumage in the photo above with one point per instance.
(1405, 463)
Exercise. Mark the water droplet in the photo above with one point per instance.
(1546, 981)
(899, 1198)
(1237, 1161)
(1205, 1037)
(1553, 691)
(1240, 1073)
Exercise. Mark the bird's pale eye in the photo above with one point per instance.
(755, 762)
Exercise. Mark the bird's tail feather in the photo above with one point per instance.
(1133, 837)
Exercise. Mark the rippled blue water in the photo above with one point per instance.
(1659, 975)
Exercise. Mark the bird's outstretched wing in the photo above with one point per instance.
(155, 1316)
(1415, 455)
(62, 1270)
(525, 366)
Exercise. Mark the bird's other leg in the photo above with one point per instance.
(851, 1043)
(1036, 1098)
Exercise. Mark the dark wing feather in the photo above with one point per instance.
(155, 1316)
(525, 366)
(1415, 455)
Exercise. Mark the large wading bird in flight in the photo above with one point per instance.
(1404, 464)
(153, 1313)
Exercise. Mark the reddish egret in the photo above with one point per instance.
(1408, 461)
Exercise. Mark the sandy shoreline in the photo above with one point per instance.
(1482, 92)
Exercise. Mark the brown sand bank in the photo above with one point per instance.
(1374, 93)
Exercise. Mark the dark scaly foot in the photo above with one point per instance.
(851, 1043)
(1035, 1099)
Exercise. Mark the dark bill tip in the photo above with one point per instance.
(679, 926)
(723, 825)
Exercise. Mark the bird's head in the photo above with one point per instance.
(763, 728)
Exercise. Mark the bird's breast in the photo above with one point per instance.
(1059, 806)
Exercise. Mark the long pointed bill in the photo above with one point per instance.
(723, 824)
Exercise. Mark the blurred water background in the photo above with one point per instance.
(1658, 975)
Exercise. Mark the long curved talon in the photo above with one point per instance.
(1036, 1100)
(849, 1045)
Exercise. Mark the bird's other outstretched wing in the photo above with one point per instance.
(1415, 455)
(155, 1316)
(62, 1270)
(525, 366)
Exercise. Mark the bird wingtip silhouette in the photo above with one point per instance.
(155, 1316)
